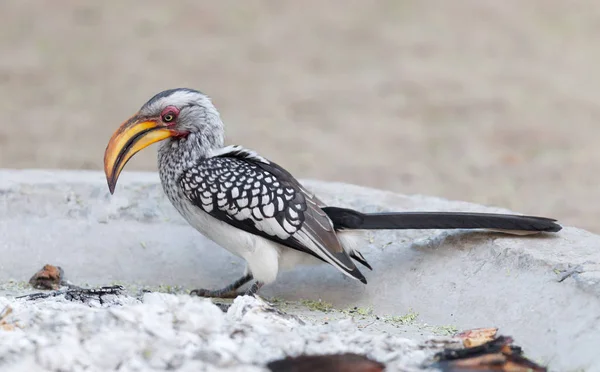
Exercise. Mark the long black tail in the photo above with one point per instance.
(350, 219)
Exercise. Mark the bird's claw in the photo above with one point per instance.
(199, 292)
(207, 293)
(250, 293)
(253, 290)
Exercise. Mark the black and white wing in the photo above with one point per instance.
(251, 193)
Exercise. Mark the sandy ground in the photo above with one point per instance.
(479, 100)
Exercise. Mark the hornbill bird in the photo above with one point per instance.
(253, 207)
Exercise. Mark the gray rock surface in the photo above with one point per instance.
(460, 278)
(168, 332)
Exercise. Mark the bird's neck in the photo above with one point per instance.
(177, 155)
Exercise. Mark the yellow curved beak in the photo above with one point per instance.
(131, 137)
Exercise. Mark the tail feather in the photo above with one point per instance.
(361, 259)
(350, 219)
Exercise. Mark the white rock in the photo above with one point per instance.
(464, 279)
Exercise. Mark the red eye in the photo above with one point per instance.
(169, 114)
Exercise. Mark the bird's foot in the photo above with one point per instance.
(228, 292)
(215, 293)
(253, 290)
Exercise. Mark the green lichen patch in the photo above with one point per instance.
(318, 305)
(445, 330)
(408, 318)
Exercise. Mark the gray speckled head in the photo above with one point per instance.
(198, 117)
(183, 121)
(197, 114)
(169, 93)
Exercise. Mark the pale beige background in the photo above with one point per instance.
(489, 101)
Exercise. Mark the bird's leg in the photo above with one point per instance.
(228, 292)
(254, 288)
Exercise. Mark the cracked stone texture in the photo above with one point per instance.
(493, 102)
(162, 332)
(458, 278)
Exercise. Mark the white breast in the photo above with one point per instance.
(264, 257)
(261, 255)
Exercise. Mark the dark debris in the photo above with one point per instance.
(78, 294)
(49, 277)
(496, 355)
(347, 362)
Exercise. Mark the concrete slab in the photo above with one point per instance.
(459, 278)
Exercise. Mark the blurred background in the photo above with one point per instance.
(493, 102)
